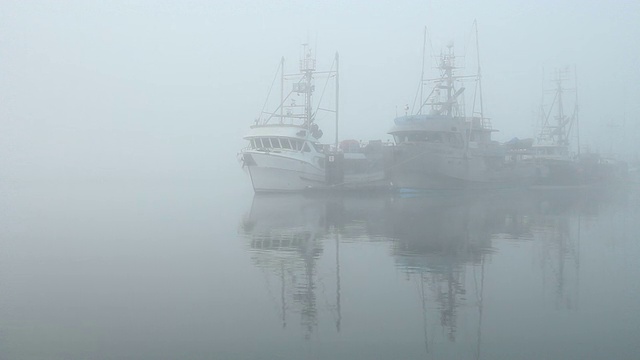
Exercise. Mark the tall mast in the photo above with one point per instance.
(575, 75)
(424, 45)
(281, 89)
(561, 120)
(475, 23)
(307, 66)
(449, 63)
(308, 97)
(337, 96)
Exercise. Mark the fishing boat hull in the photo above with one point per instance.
(276, 173)
(416, 181)
(424, 168)
(588, 171)
(273, 172)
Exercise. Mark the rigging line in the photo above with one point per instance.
(473, 104)
(425, 101)
(272, 114)
(324, 88)
(422, 80)
(546, 120)
(570, 123)
(468, 39)
(430, 44)
(424, 45)
(269, 93)
(419, 90)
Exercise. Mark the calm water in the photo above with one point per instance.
(184, 271)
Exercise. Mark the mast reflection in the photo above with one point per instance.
(440, 242)
(286, 234)
(559, 218)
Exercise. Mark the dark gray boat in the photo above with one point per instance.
(439, 147)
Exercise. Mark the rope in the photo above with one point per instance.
(269, 93)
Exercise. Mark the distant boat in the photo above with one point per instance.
(284, 151)
(558, 164)
(439, 147)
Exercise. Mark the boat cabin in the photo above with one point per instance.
(428, 129)
(282, 137)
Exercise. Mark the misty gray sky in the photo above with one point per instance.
(93, 88)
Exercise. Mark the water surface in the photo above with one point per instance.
(183, 270)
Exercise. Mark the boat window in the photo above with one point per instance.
(306, 148)
(258, 143)
(285, 143)
(265, 143)
(296, 144)
(275, 143)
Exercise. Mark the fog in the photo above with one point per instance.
(130, 230)
(166, 89)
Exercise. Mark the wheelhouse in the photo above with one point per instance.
(284, 144)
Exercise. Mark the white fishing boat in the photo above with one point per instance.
(284, 151)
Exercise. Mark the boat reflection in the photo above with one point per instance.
(286, 234)
(440, 242)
